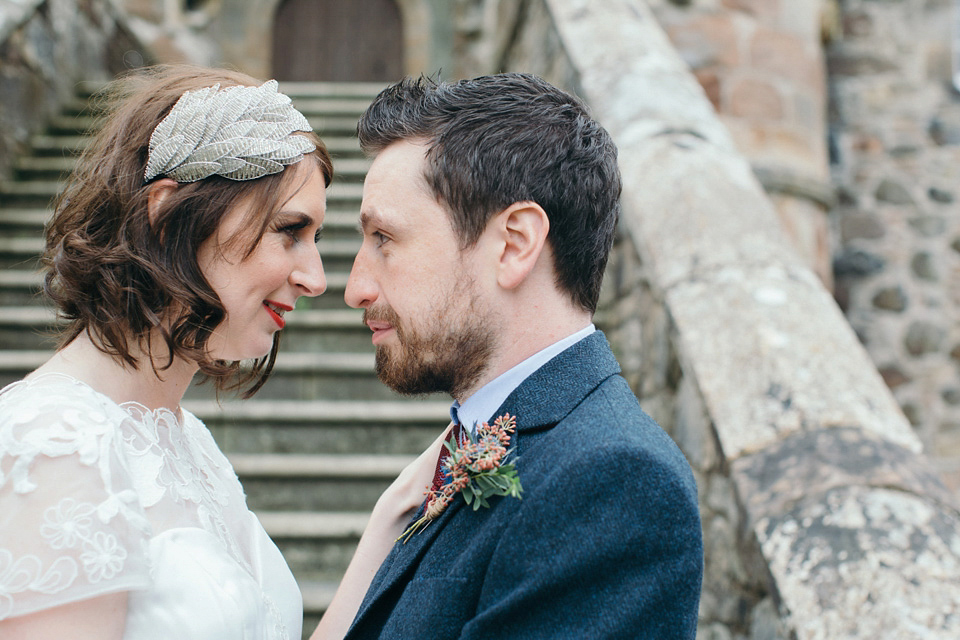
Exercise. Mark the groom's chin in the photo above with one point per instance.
(408, 375)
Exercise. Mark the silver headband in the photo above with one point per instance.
(239, 132)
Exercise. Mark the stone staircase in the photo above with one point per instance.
(323, 438)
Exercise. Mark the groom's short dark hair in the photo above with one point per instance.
(496, 140)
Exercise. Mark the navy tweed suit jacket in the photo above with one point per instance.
(605, 543)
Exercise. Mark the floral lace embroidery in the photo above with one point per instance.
(69, 525)
(183, 456)
(175, 459)
(27, 574)
(80, 530)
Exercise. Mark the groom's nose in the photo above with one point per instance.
(361, 289)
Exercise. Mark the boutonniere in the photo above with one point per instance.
(477, 470)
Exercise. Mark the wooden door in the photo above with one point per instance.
(338, 40)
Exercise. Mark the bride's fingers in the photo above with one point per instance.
(417, 476)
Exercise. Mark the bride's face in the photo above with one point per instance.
(258, 289)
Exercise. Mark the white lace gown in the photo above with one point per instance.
(97, 498)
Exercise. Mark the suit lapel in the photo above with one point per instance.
(404, 558)
(540, 402)
(558, 387)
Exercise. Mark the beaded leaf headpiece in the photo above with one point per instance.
(238, 132)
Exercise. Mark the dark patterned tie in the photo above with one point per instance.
(438, 474)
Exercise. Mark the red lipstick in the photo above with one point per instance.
(276, 311)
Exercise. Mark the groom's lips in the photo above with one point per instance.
(380, 329)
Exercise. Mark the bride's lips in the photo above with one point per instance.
(276, 311)
(380, 329)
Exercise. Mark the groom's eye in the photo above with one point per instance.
(380, 238)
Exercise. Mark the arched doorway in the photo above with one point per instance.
(360, 40)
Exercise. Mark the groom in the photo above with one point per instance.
(488, 215)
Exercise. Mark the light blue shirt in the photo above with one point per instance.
(480, 406)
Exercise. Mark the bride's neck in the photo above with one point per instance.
(160, 389)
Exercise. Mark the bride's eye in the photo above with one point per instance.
(318, 235)
(292, 229)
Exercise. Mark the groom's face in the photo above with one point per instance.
(420, 293)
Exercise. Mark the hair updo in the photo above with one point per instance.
(125, 279)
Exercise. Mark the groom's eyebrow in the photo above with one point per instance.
(367, 220)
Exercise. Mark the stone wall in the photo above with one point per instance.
(816, 506)
(238, 34)
(761, 64)
(896, 163)
(46, 48)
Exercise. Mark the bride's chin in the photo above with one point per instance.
(242, 355)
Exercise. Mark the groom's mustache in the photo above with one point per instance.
(383, 314)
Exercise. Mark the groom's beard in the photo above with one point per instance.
(449, 354)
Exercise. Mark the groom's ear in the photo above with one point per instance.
(522, 230)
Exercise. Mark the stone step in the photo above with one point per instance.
(319, 466)
(47, 144)
(54, 168)
(342, 146)
(31, 327)
(305, 375)
(20, 253)
(318, 482)
(307, 102)
(317, 595)
(317, 545)
(296, 376)
(331, 90)
(340, 221)
(29, 193)
(348, 525)
(350, 169)
(19, 278)
(65, 124)
(260, 426)
(321, 89)
(303, 363)
(39, 193)
(31, 219)
(64, 145)
(43, 167)
(323, 124)
(333, 105)
(24, 251)
(341, 194)
(23, 286)
(31, 324)
(264, 426)
(326, 412)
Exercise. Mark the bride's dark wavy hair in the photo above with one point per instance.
(123, 278)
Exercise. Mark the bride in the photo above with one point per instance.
(186, 233)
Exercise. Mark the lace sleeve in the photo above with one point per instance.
(71, 526)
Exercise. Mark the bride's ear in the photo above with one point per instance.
(159, 191)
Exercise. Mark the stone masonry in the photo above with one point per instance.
(761, 64)
(819, 515)
(896, 163)
(46, 48)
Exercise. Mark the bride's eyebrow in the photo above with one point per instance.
(298, 217)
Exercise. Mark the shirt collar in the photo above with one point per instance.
(480, 406)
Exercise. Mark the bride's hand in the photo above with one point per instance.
(390, 517)
(404, 496)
